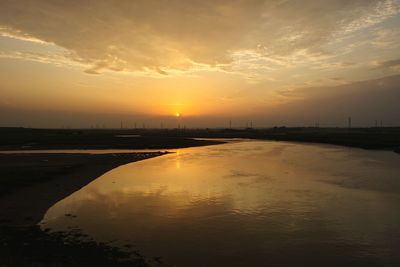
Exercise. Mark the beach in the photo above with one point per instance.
(31, 184)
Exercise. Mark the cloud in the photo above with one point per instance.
(16, 34)
(365, 101)
(387, 64)
(387, 38)
(56, 59)
(165, 36)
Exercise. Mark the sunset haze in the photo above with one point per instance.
(88, 63)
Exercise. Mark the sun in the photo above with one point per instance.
(178, 115)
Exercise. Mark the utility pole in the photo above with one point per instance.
(230, 124)
(349, 122)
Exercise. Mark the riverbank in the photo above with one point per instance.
(47, 139)
(380, 138)
(30, 184)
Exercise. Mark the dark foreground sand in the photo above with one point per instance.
(30, 185)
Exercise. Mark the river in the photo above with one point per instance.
(250, 203)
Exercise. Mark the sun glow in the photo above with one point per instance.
(178, 114)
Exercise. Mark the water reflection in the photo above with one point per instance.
(247, 204)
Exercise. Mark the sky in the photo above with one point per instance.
(95, 63)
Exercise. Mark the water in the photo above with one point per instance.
(252, 203)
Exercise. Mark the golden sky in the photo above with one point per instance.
(276, 62)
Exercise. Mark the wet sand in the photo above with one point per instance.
(31, 184)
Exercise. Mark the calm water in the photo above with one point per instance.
(251, 203)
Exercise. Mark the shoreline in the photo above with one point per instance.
(54, 177)
(23, 243)
(374, 138)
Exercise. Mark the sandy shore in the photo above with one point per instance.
(41, 180)
(31, 184)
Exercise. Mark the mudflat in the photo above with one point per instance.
(30, 184)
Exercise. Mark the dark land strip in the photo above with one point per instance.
(382, 138)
